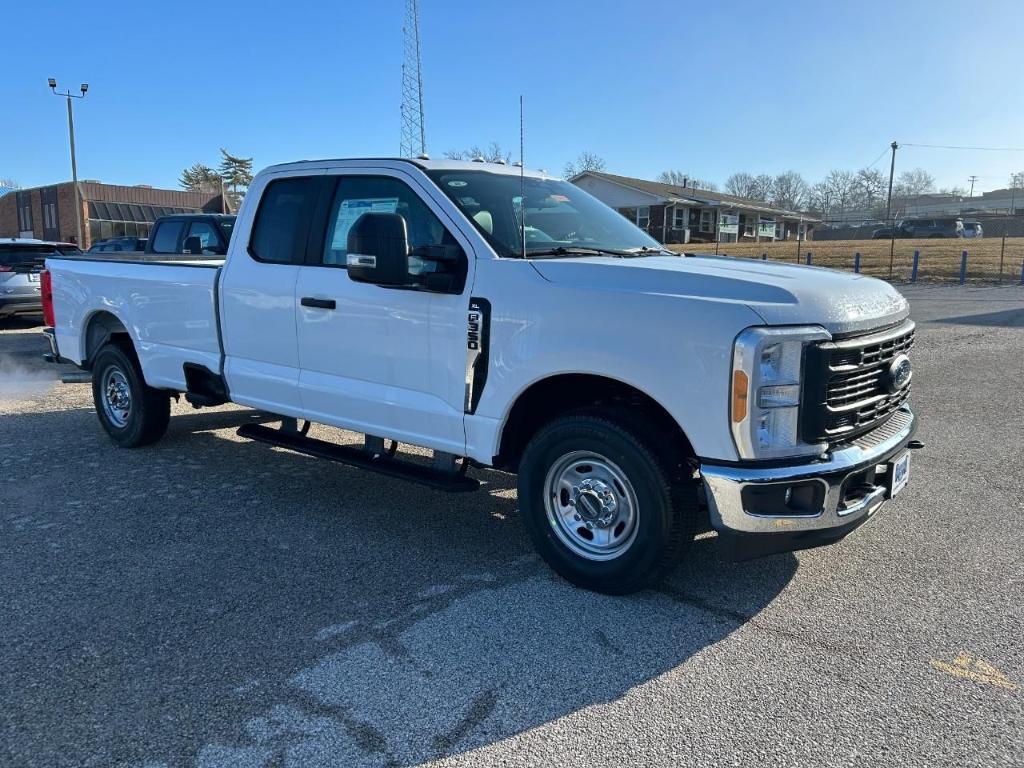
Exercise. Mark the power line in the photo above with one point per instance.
(880, 156)
(973, 149)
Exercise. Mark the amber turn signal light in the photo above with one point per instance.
(740, 393)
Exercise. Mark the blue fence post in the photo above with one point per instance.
(764, 256)
(913, 272)
(963, 267)
(810, 258)
(856, 262)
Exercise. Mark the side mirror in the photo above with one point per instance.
(378, 250)
(194, 245)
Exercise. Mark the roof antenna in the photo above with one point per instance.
(522, 180)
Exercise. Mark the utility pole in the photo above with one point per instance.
(888, 208)
(972, 179)
(74, 165)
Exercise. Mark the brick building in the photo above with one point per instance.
(108, 210)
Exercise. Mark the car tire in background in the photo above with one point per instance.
(600, 505)
(132, 413)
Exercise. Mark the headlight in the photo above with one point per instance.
(767, 375)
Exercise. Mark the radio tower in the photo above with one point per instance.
(414, 142)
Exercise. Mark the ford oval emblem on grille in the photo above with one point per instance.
(899, 373)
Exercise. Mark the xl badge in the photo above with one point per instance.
(899, 373)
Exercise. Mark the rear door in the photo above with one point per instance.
(384, 360)
(257, 294)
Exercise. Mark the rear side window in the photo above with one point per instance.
(167, 235)
(279, 234)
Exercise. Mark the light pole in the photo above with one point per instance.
(74, 166)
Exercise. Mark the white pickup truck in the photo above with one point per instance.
(507, 319)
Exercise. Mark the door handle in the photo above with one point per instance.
(309, 301)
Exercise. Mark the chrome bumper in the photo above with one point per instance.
(850, 493)
(53, 355)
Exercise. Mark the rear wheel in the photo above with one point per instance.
(132, 413)
(600, 506)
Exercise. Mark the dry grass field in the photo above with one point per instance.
(940, 259)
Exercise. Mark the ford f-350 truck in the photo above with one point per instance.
(506, 319)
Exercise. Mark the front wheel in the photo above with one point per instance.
(132, 413)
(600, 506)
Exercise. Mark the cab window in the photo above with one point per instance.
(357, 195)
(167, 236)
(208, 239)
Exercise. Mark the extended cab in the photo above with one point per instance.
(506, 319)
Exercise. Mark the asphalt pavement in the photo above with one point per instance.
(210, 602)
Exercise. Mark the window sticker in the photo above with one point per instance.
(350, 210)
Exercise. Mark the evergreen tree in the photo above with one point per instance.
(200, 178)
(237, 174)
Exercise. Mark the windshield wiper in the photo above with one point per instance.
(573, 250)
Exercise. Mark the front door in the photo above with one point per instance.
(384, 361)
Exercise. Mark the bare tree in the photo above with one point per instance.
(789, 191)
(741, 184)
(915, 182)
(9, 184)
(820, 199)
(1017, 180)
(493, 154)
(586, 161)
(680, 179)
(843, 188)
(764, 187)
(871, 188)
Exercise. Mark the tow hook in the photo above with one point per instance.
(915, 445)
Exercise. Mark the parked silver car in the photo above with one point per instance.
(21, 261)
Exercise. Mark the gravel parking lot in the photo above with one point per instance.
(215, 602)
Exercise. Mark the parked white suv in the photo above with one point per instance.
(510, 320)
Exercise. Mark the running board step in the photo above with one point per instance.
(357, 457)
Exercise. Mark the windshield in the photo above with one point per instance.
(561, 219)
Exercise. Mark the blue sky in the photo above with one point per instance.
(707, 88)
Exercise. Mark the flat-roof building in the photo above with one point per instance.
(108, 210)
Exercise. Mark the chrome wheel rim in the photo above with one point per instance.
(591, 505)
(116, 397)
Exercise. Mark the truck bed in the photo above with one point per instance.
(167, 303)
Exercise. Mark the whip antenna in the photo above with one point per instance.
(522, 180)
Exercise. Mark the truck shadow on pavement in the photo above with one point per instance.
(221, 603)
(1007, 318)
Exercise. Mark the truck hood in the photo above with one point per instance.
(782, 294)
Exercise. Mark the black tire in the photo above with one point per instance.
(667, 512)
(148, 410)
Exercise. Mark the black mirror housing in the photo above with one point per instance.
(378, 250)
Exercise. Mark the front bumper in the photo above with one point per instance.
(844, 490)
